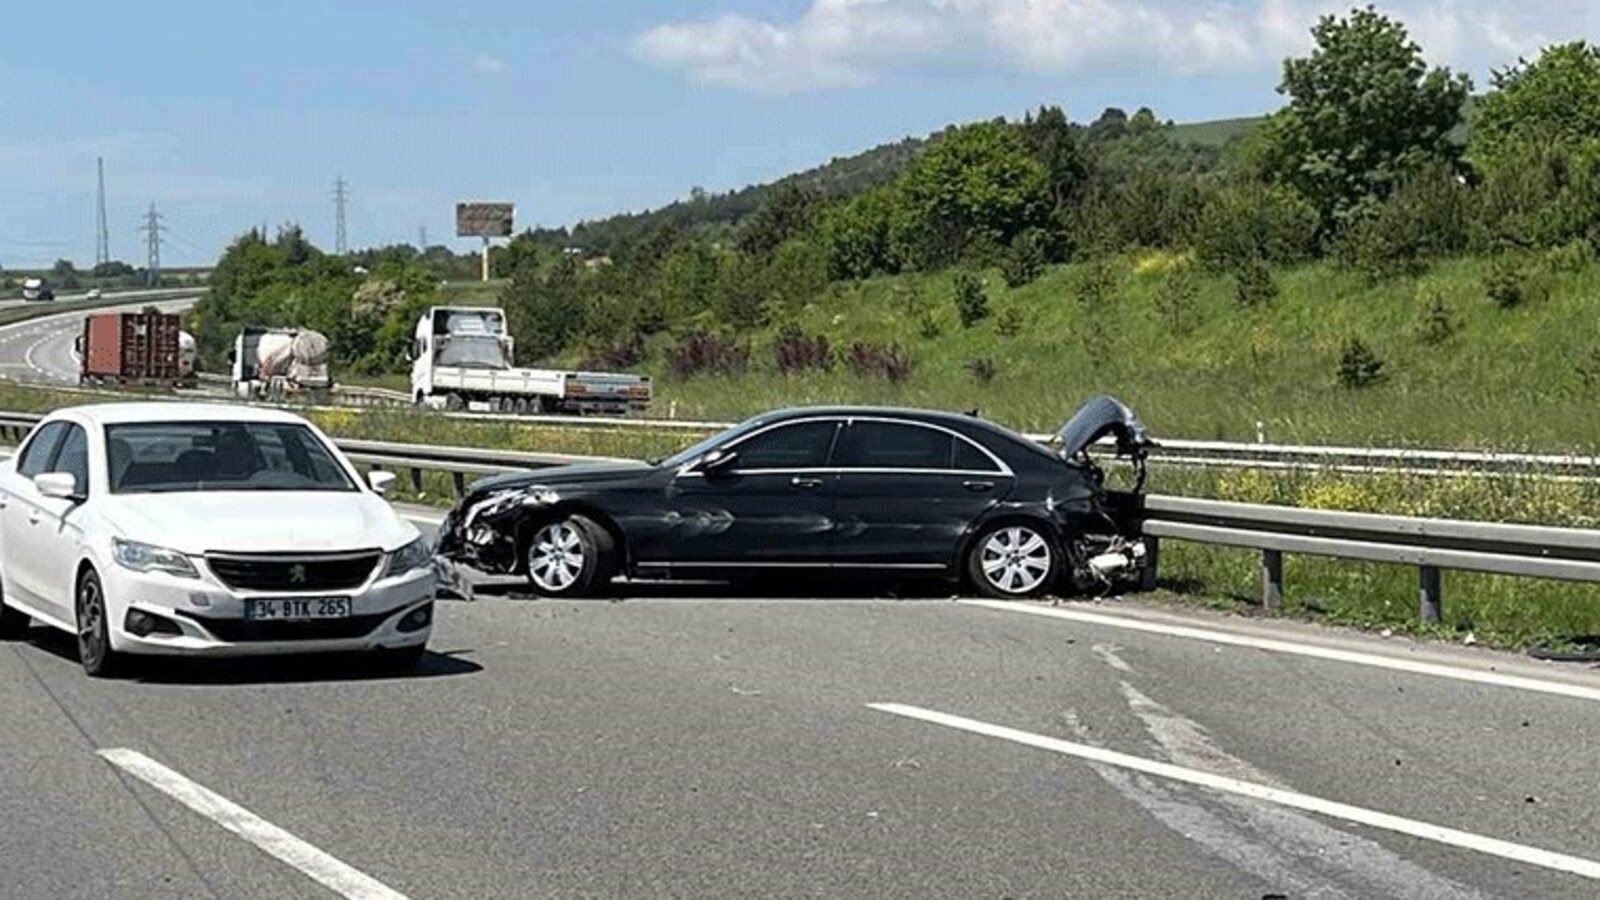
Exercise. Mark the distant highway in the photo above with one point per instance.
(40, 351)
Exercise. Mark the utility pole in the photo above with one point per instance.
(422, 238)
(102, 247)
(152, 229)
(341, 195)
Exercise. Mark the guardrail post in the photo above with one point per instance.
(1152, 559)
(1272, 578)
(1432, 594)
(416, 480)
(458, 482)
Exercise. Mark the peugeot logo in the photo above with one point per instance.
(297, 573)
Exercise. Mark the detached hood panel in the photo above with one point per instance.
(1102, 416)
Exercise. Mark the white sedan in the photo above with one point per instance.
(195, 529)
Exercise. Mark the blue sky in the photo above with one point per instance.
(228, 114)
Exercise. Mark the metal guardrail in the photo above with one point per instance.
(1432, 545)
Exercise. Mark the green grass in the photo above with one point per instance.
(1508, 379)
(1215, 133)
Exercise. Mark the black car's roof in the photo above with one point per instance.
(958, 420)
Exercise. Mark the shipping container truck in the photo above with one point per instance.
(125, 348)
(462, 356)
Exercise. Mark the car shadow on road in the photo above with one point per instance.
(256, 670)
(788, 588)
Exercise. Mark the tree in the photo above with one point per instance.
(855, 235)
(1054, 143)
(1553, 102)
(790, 210)
(1364, 110)
(544, 308)
(974, 190)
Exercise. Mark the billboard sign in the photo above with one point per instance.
(484, 219)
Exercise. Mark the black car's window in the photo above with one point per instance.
(804, 445)
(902, 445)
(892, 445)
(36, 456)
(73, 457)
(170, 457)
(968, 458)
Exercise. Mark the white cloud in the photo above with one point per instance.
(847, 43)
(484, 64)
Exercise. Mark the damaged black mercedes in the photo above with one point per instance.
(896, 493)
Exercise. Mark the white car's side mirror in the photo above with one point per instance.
(57, 485)
(380, 481)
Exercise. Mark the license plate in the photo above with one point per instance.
(296, 608)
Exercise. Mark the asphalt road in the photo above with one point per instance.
(693, 742)
(40, 351)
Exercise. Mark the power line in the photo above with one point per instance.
(102, 247)
(341, 195)
(152, 229)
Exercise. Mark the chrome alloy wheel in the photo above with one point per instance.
(555, 557)
(1016, 560)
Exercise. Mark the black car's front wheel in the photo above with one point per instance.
(573, 556)
(1013, 560)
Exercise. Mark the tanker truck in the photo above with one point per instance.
(277, 364)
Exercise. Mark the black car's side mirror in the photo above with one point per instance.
(718, 462)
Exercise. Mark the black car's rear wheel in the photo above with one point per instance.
(1013, 560)
(573, 556)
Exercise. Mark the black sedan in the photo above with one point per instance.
(869, 491)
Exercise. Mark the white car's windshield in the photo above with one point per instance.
(176, 457)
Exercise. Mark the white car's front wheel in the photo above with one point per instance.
(94, 629)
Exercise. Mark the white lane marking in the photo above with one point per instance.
(423, 518)
(1107, 654)
(1533, 856)
(327, 871)
(1436, 670)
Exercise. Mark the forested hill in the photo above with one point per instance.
(847, 176)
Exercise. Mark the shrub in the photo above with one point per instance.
(983, 369)
(616, 356)
(928, 325)
(1438, 321)
(1243, 224)
(1024, 259)
(1571, 257)
(1254, 284)
(1009, 323)
(1427, 216)
(972, 301)
(1588, 369)
(1510, 283)
(703, 352)
(1176, 298)
(888, 362)
(796, 352)
(1359, 367)
(1097, 284)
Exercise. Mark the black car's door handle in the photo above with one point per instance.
(978, 487)
(806, 484)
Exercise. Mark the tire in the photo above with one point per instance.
(454, 403)
(13, 623)
(521, 406)
(94, 629)
(570, 557)
(1013, 560)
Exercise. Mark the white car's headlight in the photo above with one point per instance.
(147, 558)
(415, 555)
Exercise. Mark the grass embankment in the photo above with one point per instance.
(1523, 378)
